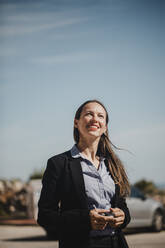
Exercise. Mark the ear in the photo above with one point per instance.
(75, 123)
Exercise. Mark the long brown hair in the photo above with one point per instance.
(116, 167)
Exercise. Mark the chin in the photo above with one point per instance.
(93, 133)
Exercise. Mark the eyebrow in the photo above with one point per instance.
(87, 110)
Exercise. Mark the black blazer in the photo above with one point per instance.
(63, 207)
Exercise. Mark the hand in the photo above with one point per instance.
(98, 221)
(118, 219)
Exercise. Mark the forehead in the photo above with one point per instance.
(94, 106)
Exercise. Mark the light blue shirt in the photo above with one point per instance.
(99, 186)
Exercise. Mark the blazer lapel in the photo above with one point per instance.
(78, 180)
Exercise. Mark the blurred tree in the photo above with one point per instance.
(37, 174)
(147, 187)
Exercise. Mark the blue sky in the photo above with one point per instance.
(54, 55)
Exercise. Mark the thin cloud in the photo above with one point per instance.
(10, 30)
(19, 6)
(51, 60)
(158, 129)
(141, 139)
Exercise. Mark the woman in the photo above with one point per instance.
(84, 189)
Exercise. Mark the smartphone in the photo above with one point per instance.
(107, 214)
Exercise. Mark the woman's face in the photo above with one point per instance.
(92, 121)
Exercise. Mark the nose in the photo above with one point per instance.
(95, 118)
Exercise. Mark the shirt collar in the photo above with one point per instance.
(75, 153)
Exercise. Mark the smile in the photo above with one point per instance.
(93, 127)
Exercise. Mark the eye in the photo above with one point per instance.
(89, 113)
(101, 116)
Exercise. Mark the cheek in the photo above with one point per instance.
(83, 124)
(86, 120)
(103, 124)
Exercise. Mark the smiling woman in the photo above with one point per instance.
(84, 189)
(92, 123)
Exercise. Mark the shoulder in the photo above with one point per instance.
(60, 157)
(56, 164)
(58, 161)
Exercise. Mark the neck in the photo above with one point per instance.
(88, 148)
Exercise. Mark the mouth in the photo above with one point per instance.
(93, 127)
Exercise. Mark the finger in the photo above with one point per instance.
(119, 219)
(99, 222)
(114, 210)
(97, 216)
(101, 219)
(116, 224)
(102, 227)
(109, 218)
(102, 211)
(117, 212)
(114, 221)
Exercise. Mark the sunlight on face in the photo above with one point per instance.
(92, 121)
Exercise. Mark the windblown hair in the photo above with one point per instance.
(116, 167)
